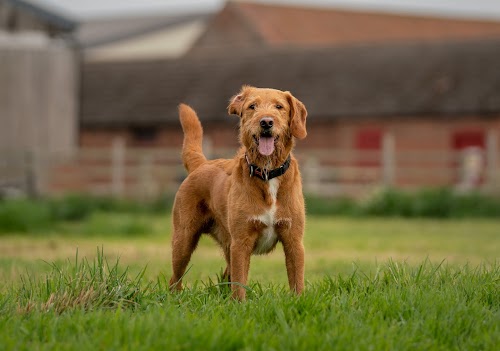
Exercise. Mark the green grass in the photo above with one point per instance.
(92, 305)
(372, 284)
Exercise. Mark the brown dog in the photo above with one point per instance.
(249, 203)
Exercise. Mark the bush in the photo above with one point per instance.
(22, 215)
(77, 207)
(327, 206)
(430, 203)
(389, 202)
(31, 215)
(476, 205)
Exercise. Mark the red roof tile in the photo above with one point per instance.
(245, 25)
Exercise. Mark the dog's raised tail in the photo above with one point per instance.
(192, 152)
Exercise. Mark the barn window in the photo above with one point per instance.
(369, 139)
(468, 138)
(144, 135)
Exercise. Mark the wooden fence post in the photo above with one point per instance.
(30, 173)
(311, 174)
(492, 171)
(118, 166)
(208, 147)
(388, 159)
(148, 186)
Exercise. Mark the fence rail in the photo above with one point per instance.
(146, 173)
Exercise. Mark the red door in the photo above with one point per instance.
(470, 145)
(369, 139)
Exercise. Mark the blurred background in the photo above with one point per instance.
(401, 161)
(401, 94)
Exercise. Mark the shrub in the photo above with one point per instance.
(430, 203)
(327, 206)
(476, 205)
(31, 215)
(76, 207)
(22, 215)
(388, 203)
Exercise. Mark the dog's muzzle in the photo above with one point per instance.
(265, 141)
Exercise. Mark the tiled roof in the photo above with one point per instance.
(243, 25)
(445, 79)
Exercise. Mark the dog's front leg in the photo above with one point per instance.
(241, 250)
(294, 258)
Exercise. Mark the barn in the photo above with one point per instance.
(367, 104)
(393, 99)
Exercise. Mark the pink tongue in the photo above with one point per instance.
(266, 145)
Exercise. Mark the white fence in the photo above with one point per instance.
(147, 173)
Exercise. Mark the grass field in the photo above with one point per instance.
(371, 284)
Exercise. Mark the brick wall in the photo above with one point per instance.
(424, 154)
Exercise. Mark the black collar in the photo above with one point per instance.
(265, 174)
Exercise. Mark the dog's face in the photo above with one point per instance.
(269, 120)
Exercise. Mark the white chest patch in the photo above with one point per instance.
(268, 237)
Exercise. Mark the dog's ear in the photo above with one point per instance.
(298, 115)
(236, 103)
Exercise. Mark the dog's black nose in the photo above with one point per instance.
(266, 123)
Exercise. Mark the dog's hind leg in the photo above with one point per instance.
(185, 237)
(184, 243)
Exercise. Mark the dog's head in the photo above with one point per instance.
(270, 119)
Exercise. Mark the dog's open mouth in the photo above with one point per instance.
(265, 143)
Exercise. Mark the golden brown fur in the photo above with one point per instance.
(245, 215)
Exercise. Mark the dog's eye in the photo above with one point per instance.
(279, 107)
(251, 107)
